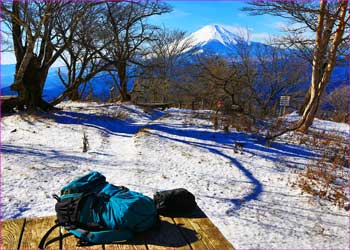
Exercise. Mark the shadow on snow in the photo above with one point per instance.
(212, 141)
(217, 140)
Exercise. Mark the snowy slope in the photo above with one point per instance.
(247, 195)
(323, 125)
(219, 39)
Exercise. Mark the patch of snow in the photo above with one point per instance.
(247, 195)
(339, 128)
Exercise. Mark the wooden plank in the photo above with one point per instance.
(70, 243)
(35, 229)
(190, 234)
(195, 232)
(138, 243)
(7, 97)
(166, 237)
(125, 246)
(94, 247)
(135, 244)
(11, 233)
(209, 234)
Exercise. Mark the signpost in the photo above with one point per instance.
(284, 102)
(220, 103)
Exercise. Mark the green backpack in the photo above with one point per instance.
(98, 212)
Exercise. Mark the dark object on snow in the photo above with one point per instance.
(15, 130)
(157, 105)
(85, 143)
(175, 202)
(238, 147)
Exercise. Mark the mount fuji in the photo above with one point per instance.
(220, 40)
(224, 40)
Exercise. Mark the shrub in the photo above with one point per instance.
(328, 177)
(215, 121)
(334, 105)
(121, 115)
(142, 132)
(241, 122)
(85, 143)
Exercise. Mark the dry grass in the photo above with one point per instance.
(121, 115)
(241, 122)
(237, 121)
(110, 114)
(142, 132)
(328, 177)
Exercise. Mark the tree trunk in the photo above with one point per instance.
(125, 96)
(321, 72)
(306, 101)
(74, 95)
(309, 110)
(32, 85)
(309, 115)
(71, 92)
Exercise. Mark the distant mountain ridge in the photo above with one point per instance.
(212, 39)
(53, 87)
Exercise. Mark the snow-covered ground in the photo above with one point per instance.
(248, 196)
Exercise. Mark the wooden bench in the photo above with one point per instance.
(8, 103)
(194, 232)
(159, 105)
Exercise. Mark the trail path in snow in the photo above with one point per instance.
(248, 196)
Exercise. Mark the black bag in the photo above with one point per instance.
(175, 202)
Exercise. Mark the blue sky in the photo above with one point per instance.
(192, 15)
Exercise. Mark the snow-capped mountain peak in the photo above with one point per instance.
(224, 34)
(218, 39)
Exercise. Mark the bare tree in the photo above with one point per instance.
(168, 51)
(328, 21)
(188, 87)
(236, 76)
(126, 25)
(246, 66)
(223, 77)
(81, 58)
(207, 78)
(36, 44)
(275, 76)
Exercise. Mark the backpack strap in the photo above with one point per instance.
(42, 244)
(101, 237)
(60, 238)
